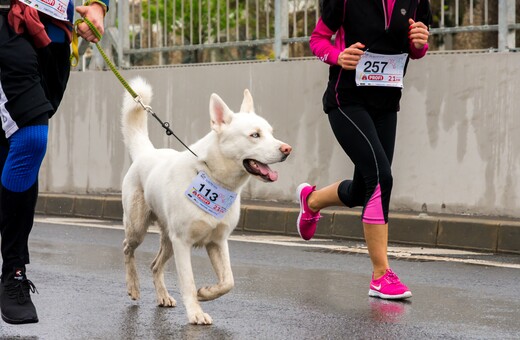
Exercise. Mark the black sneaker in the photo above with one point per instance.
(15, 299)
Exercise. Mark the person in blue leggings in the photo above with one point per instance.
(34, 70)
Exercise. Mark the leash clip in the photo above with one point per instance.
(138, 99)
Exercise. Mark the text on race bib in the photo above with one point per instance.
(381, 69)
(54, 8)
(209, 196)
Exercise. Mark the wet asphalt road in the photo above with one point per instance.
(281, 292)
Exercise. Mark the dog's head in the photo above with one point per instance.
(247, 138)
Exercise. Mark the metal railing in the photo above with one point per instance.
(471, 24)
(162, 32)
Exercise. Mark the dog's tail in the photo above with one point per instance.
(134, 119)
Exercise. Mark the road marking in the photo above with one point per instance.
(406, 253)
(420, 254)
(83, 222)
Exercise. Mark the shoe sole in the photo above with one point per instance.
(18, 322)
(375, 293)
(299, 194)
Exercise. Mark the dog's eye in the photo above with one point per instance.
(255, 135)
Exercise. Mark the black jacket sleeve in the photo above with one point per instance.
(332, 13)
(424, 12)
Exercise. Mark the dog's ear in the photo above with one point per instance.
(219, 112)
(247, 103)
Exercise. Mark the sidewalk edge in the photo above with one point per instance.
(458, 232)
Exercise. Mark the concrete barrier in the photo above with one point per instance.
(457, 149)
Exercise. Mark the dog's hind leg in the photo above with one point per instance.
(219, 256)
(187, 283)
(136, 219)
(132, 278)
(165, 252)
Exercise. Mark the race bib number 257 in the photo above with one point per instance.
(381, 69)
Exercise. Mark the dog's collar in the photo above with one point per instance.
(205, 168)
(205, 164)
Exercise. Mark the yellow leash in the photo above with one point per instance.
(74, 59)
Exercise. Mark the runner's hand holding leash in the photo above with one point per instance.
(95, 12)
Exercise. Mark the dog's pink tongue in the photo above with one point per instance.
(266, 171)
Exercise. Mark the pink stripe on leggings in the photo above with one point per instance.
(374, 209)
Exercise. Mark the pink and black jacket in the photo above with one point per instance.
(382, 26)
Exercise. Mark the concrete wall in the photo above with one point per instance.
(458, 144)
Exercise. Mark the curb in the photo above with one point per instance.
(458, 232)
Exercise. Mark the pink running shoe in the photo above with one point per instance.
(307, 220)
(388, 287)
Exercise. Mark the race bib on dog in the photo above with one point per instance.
(381, 70)
(209, 196)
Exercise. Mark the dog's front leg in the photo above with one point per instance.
(219, 255)
(195, 313)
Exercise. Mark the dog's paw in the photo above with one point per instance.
(205, 294)
(212, 292)
(166, 301)
(133, 293)
(200, 318)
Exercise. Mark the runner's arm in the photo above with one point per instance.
(321, 45)
(423, 15)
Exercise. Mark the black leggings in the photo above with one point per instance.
(368, 138)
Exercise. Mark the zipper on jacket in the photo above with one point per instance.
(386, 18)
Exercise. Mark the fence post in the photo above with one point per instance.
(123, 14)
(281, 29)
(506, 17)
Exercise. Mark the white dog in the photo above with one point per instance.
(195, 201)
